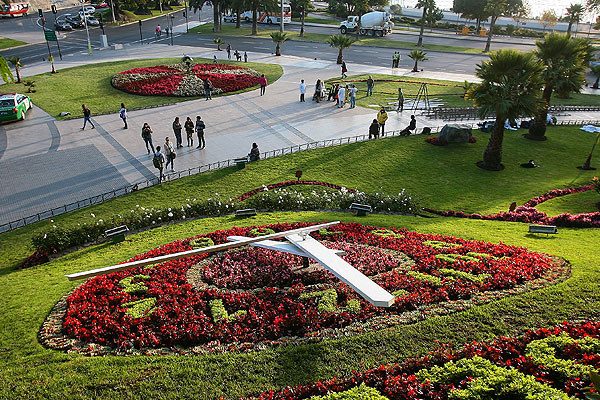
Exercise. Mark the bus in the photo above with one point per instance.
(270, 17)
(14, 9)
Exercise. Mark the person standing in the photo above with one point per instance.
(254, 153)
(318, 91)
(344, 69)
(170, 153)
(147, 136)
(123, 115)
(341, 96)
(302, 90)
(86, 116)
(374, 129)
(352, 92)
(394, 60)
(400, 100)
(238, 56)
(370, 84)
(245, 57)
(177, 131)
(263, 84)
(200, 132)
(381, 118)
(228, 51)
(333, 92)
(189, 131)
(159, 163)
(207, 90)
(215, 59)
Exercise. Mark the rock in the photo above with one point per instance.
(452, 133)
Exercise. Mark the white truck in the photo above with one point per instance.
(375, 23)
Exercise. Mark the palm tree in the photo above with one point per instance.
(218, 42)
(5, 72)
(574, 14)
(426, 5)
(596, 71)
(341, 42)
(29, 85)
(563, 63)
(417, 55)
(509, 88)
(279, 38)
(16, 62)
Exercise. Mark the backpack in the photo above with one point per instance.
(156, 160)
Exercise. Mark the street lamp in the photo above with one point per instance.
(185, 13)
(171, 30)
(281, 22)
(84, 16)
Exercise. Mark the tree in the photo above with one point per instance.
(219, 42)
(596, 71)
(301, 7)
(341, 42)
(16, 62)
(197, 5)
(425, 5)
(509, 88)
(279, 38)
(396, 9)
(417, 55)
(5, 71)
(548, 18)
(563, 64)
(29, 84)
(496, 8)
(471, 9)
(574, 15)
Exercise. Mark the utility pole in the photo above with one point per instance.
(84, 16)
(54, 11)
(281, 21)
(112, 10)
(171, 30)
(185, 14)
(141, 37)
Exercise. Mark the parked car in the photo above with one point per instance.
(13, 106)
(92, 21)
(74, 20)
(62, 25)
(101, 4)
(230, 18)
(90, 10)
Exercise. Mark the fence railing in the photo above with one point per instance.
(467, 113)
(76, 205)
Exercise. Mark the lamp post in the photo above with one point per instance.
(84, 16)
(185, 13)
(281, 21)
(171, 30)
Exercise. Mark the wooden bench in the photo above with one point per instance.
(547, 229)
(116, 234)
(247, 212)
(361, 209)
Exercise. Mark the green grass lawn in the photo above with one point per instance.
(586, 202)
(443, 178)
(316, 20)
(90, 85)
(231, 30)
(131, 16)
(7, 43)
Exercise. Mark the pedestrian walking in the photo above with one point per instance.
(370, 84)
(302, 88)
(238, 56)
(86, 116)
(215, 59)
(177, 131)
(374, 129)
(147, 136)
(263, 84)
(394, 60)
(341, 96)
(167, 31)
(170, 153)
(352, 93)
(189, 131)
(207, 90)
(381, 118)
(200, 132)
(159, 163)
(245, 57)
(400, 100)
(344, 69)
(254, 154)
(157, 31)
(123, 115)
(228, 51)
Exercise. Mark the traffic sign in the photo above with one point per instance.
(54, 9)
(50, 35)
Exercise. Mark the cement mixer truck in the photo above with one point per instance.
(375, 23)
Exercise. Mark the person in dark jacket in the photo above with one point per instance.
(411, 127)
(189, 131)
(147, 136)
(254, 153)
(207, 89)
(374, 129)
(177, 131)
(200, 132)
(86, 116)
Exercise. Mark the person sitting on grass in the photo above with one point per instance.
(411, 127)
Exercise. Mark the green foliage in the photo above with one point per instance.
(341, 41)
(400, 293)
(434, 280)
(362, 392)
(220, 314)
(452, 258)
(595, 378)
(140, 308)
(201, 242)
(387, 233)
(325, 232)
(134, 288)
(29, 84)
(5, 71)
(436, 244)
(464, 275)
(328, 302)
(256, 232)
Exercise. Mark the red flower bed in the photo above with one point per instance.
(435, 141)
(513, 356)
(291, 183)
(249, 297)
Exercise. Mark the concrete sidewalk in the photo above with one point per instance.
(49, 163)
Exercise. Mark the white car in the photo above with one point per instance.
(89, 10)
(230, 18)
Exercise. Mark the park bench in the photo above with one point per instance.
(240, 162)
(116, 234)
(547, 229)
(361, 209)
(246, 212)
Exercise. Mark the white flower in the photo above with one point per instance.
(54, 226)
(183, 216)
(45, 236)
(137, 205)
(92, 214)
(100, 220)
(170, 214)
(51, 220)
(169, 209)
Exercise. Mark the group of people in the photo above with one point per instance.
(339, 92)
(237, 54)
(158, 31)
(378, 125)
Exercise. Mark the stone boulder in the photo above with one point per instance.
(452, 133)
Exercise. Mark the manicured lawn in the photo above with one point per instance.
(90, 85)
(106, 14)
(316, 20)
(586, 202)
(7, 43)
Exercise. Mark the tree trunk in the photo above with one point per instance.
(420, 42)
(238, 22)
(340, 56)
(569, 28)
(415, 69)
(537, 130)
(302, 23)
(277, 50)
(492, 156)
(490, 33)
(478, 24)
(594, 86)
(18, 71)
(254, 22)
(216, 22)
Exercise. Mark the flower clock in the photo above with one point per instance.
(177, 80)
(249, 298)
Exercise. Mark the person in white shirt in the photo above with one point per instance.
(302, 90)
(341, 96)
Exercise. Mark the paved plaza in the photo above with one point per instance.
(48, 163)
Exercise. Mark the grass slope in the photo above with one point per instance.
(8, 43)
(90, 85)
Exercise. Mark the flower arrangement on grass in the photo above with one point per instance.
(437, 142)
(549, 364)
(249, 298)
(174, 80)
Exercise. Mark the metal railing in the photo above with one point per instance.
(467, 113)
(21, 222)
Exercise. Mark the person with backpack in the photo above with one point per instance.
(170, 153)
(159, 162)
(123, 115)
(86, 116)
(381, 118)
(200, 132)
(177, 131)
(147, 136)
(189, 131)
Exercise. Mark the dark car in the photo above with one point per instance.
(62, 25)
(74, 20)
